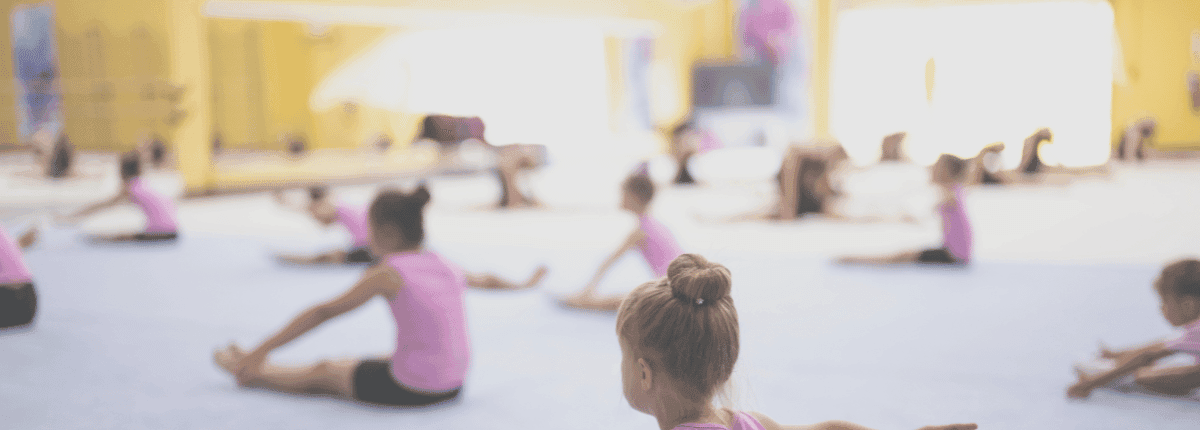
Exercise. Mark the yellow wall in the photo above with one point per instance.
(1155, 43)
(111, 54)
(292, 62)
(250, 81)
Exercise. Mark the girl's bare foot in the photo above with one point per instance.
(229, 357)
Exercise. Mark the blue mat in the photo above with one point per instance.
(124, 338)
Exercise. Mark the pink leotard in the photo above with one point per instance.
(355, 220)
(708, 142)
(432, 347)
(659, 247)
(160, 211)
(12, 265)
(956, 228)
(1189, 341)
(741, 421)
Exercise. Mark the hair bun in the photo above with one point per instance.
(421, 195)
(697, 281)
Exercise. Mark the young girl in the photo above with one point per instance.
(18, 300)
(1178, 290)
(159, 210)
(425, 294)
(651, 237)
(679, 340)
(328, 211)
(948, 173)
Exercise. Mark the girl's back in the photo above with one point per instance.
(956, 228)
(432, 347)
(741, 421)
(12, 265)
(160, 211)
(659, 246)
(355, 220)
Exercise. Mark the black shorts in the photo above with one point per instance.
(937, 256)
(360, 255)
(155, 237)
(18, 304)
(373, 383)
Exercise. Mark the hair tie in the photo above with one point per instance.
(699, 302)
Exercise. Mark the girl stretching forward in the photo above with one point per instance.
(651, 237)
(18, 300)
(1178, 289)
(328, 211)
(948, 174)
(679, 343)
(159, 210)
(425, 295)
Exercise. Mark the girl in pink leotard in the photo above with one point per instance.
(18, 299)
(159, 209)
(425, 294)
(674, 380)
(948, 173)
(655, 242)
(328, 211)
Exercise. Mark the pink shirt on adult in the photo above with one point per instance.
(159, 210)
(432, 347)
(355, 220)
(659, 247)
(956, 228)
(741, 421)
(12, 265)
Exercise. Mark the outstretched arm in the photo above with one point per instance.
(101, 205)
(291, 205)
(379, 280)
(770, 424)
(633, 240)
(1131, 362)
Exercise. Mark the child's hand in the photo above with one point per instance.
(1083, 387)
(1042, 134)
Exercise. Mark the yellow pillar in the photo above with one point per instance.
(188, 46)
(8, 96)
(823, 20)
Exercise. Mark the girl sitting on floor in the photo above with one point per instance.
(159, 210)
(18, 299)
(1178, 288)
(425, 294)
(651, 237)
(679, 340)
(327, 211)
(948, 173)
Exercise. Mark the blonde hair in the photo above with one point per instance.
(685, 325)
